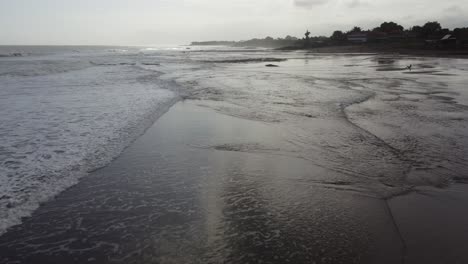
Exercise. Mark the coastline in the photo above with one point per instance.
(304, 162)
(380, 49)
(174, 197)
(71, 115)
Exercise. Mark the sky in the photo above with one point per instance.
(159, 22)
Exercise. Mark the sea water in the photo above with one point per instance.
(67, 111)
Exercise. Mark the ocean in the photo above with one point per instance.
(68, 111)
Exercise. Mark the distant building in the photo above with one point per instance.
(357, 37)
(449, 40)
(448, 37)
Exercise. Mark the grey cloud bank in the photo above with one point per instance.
(309, 3)
(144, 22)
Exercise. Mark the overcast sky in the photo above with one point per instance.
(146, 22)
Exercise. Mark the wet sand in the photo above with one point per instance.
(420, 51)
(174, 197)
(325, 159)
(433, 224)
(199, 188)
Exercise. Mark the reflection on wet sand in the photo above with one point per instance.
(296, 164)
(258, 227)
(220, 206)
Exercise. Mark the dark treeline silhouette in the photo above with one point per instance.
(431, 35)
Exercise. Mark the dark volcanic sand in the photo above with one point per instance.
(325, 159)
(181, 194)
(170, 198)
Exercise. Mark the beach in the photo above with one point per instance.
(173, 198)
(327, 158)
(389, 49)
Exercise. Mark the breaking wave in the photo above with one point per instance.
(65, 124)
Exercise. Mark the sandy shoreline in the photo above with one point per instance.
(377, 49)
(191, 191)
(323, 159)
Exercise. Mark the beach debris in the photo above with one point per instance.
(409, 67)
(271, 65)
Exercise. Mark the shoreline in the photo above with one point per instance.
(289, 164)
(461, 54)
(176, 194)
(179, 194)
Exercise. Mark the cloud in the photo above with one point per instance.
(356, 3)
(454, 10)
(345, 3)
(309, 3)
(453, 16)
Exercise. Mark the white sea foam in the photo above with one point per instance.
(62, 118)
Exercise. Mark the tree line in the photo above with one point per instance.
(386, 32)
(431, 29)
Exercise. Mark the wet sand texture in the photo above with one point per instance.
(174, 197)
(344, 158)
